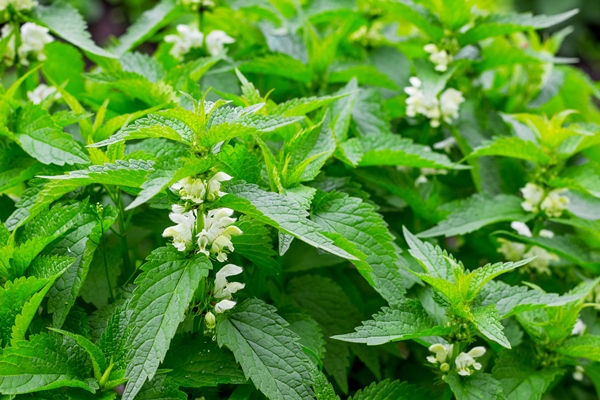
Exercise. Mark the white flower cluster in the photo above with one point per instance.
(214, 238)
(440, 58)
(223, 291)
(33, 40)
(18, 5)
(513, 251)
(535, 198)
(464, 362)
(42, 92)
(446, 108)
(189, 38)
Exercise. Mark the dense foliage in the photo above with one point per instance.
(381, 199)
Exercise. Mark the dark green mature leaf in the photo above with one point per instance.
(302, 106)
(406, 320)
(514, 147)
(42, 139)
(200, 362)
(278, 211)
(479, 211)
(256, 245)
(433, 259)
(161, 388)
(267, 350)
(45, 362)
(165, 289)
(396, 150)
(391, 390)
(587, 346)
(98, 360)
(475, 387)
(323, 389)
(147, 25)
(487, 321)
(327, 303)
(496, 25)
(80, 244)
(65, 21)
(359, 223)
(279, 64)
(520, 377)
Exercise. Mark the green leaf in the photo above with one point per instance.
(487, 321)
(278, 64)
(391, 390)
(166, 172)
(364, 74)
(478, 211)
(584, 177)
(359, 223)
(199, 362)
(327, 303)
(161, 388)
(302, 106)
(267, 350)
(176, 124)
(433, 259)
(417, 15)
(43, 363)
(323, 389)
(496, 25)
(278, 211)
(520, 377)
(514, 147)
(256, 245)
(136, 86)
(164, 291)
(587, 346)
(395, 150)
(98, 360)
(65, 21)
(239, 162)
(479, 386)
(147, 25)
(131, 173)
(406, 320)
(309, 331)
(42, 139)
(481, 276)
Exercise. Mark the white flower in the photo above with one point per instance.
(215, 238)
(186, 39)
(445, 144)
(546, 233)
(578, 373)
(555, 203)
(417, 104)
(542, 259)
(41, 92)
(440, 59)
(441, 351)
(512, 251)
(533, 195)
(426, 172)
(18, 5)
(216, 40)
(33, 40)
(450, 102)
(224, 305)
(214, 186)
(579, 327)
(464, 361)
(189, 188)
(223, 288)
(183, 232)
(521, 228)
(210, 320)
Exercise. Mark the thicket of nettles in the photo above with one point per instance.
(381, 199)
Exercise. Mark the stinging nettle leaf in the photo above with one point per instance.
(269, 353)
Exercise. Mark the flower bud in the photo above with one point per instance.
(210, 320)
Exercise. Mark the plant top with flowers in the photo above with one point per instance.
(363, 200)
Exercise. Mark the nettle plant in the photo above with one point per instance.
(208, 207)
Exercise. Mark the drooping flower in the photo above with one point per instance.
(183, 232)
(442, 353)
(578, 373)
(187, 38)
(215, 238)
(555, 203)
(533, 196)
(33, 40)
(214, 186)
(189, 188)
(440, 58)
(521, 228)
(464, 361)
(450, 102)
(216, 41)
(41, 92)
(224, 305)
(223, 288)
